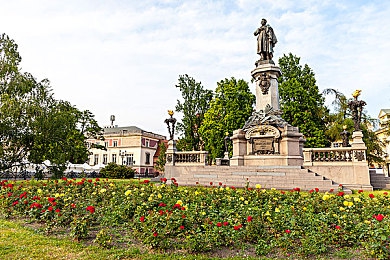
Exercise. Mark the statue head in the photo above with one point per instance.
(356, 93)
(263, 21)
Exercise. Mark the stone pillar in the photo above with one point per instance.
(267, 90)
(170, 153)
(239, 148)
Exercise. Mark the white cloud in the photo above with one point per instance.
(124, 57)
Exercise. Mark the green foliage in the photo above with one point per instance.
(194, 105)
(33, 124)
(161, 159)
(200, 219)
(301, 102)
(229, 109)
(115, 171)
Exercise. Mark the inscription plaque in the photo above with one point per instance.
(263, 145)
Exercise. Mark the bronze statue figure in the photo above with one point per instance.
(266, 41)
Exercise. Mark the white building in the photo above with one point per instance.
(128, 145)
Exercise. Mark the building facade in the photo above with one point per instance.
(382, 133)
(129, 145)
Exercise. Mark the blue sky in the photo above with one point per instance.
(124, 57)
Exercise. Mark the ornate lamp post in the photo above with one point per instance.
(122, 154)
(171, 124)
(356, 107)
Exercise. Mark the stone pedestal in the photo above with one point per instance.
(267, 91)
(170, 152)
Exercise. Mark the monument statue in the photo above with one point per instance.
(266, 41)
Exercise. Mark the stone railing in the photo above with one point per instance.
(187, 158)
(342, 154)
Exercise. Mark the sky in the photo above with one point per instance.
(124, 57)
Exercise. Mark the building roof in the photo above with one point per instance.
(384, 111)
(110, 130)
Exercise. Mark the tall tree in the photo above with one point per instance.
(195, 103)
(301, 102)
(230, 108)
(35, 127)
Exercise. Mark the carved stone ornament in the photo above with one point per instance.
(262, 131)
(268, 116)
(359, 155)
(264, 83)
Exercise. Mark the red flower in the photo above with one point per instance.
(297, 189)
(73, 205)
(177, 206)
(283, 192)
(385, 193)
(340, 194)
(338, 227)
(219, 224)
(64, 179)
(164, 180)
(220, 183)
(91, 209)
(35, 205)
(360, 191)
(371, 195)
(97, 179)
(58, 210)
(288, 231)
(173, 179)
(181, 227)
(142, 219)
(89, 180)
(162, 204)
(146, 181)
(225, 223)
(311, 191)
(249, 218)
(317, 189)
(15, 203)
(379, 217)
(161, 212)
(331, 190)
(197, 183)
(51, 200)
(183, 216)
(183, 208)
(237, 227)
(211, 183)
(23, 195)
(50, 208)
(155, 234)
(9, 194)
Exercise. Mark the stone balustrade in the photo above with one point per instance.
(187, 158)
(342, 154)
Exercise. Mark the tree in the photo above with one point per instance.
(229, 109)
(161, 159)
(35, 127)
(115, 171)
(195, 103)
(301, 102)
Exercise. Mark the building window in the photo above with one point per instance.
(147, 155)
(96, 159)
(104, 159)
(147, 143)
(106, 144)
(114, 158)
(129, 159)
(115, 143)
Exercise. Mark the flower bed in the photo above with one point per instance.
(200, 219)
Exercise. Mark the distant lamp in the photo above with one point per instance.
(171, 124)
(112, 119)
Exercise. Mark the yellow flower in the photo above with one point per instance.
(197, 193)
(273, 189)
(325, 197)
(113, 193)
(159, 196)
(150, 198)
(128, 192)
(246, 202)
(357, 199)
(203, 213)
(346, 196)
(258, 186)
(39, 191)
(367, 222)
(304, 208)
(342, 209)
(56, 195)
(267, 213)
(242, 198)
(112, 184)
(179, 202)
(277, 210)
(103, 190)
(227, 188)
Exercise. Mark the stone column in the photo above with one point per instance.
(267, 90)
(239, 148)
(170, 153)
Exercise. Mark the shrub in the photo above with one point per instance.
(115, 171)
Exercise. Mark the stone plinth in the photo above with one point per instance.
(266, 76)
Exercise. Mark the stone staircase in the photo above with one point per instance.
(379, 180)
(278, 177)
